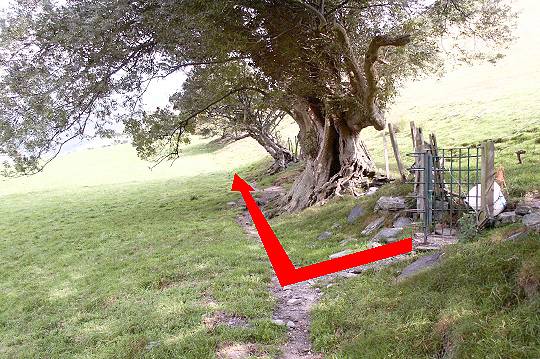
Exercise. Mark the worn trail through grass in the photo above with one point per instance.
(293, 303)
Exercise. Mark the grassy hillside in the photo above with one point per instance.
(474, 305)
(471, 104)
(136, 269)
(101, 257)
(129, 270)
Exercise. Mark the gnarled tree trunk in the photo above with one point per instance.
(282, 156)
(334, 92)
(336, 160)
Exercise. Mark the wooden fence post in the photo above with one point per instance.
(413, 135)
(387, 165)
(419, 178)
(487, 179)
(397, 155)
(437, 167)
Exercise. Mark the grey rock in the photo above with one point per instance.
(291, 324)
(402, 222)
(231, 204)
(356, 212)
(347, 274)
(387, 235)
(373, 245)
(532, 220)
(340, 254)
(373, 226)
(324, 235)
(294, 301)
(419, 265)
(371, 191)
(516, 235)
(278, 322)
(379, 264)
(336, 226)
(390, 204)
(445, 230)
(523, 210)
(507, 217)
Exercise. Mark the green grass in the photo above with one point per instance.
(299, 232)
(104, 271)
(119, 164)
(471, 306)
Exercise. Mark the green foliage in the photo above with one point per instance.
(228, 100)
(467, 227)
(67, 74)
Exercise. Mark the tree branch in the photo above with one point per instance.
(313, 9)
(358, 80)
(372, 55)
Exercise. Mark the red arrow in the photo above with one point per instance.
(285, 270)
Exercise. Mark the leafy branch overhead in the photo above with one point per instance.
(73, 69)
(228, 100)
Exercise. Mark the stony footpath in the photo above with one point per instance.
(294, 302)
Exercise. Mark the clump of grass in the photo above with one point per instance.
(467, 230)
(529, 278)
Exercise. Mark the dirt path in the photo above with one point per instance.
(294, 302)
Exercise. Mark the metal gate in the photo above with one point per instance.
(449, 183)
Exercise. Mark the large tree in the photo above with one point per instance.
(72, 68)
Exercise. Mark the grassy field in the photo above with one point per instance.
(101, 257)
(135, 269)
(129, 270)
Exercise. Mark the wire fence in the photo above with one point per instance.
(450, 182)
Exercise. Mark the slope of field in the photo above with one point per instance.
(128, 270)
(472, 104)
(101, 257)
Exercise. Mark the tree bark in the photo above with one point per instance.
(336, 159)
(334, 91)
(281, 155)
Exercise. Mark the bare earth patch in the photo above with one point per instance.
(293, 308)
(293, 302)
(236, 351)
(222, 318)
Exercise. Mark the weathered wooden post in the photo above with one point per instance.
(387, 165)
(397, 155)
(420, 164)
(413, 135)
(487, 180)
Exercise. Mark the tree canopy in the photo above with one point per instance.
(72, 68)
